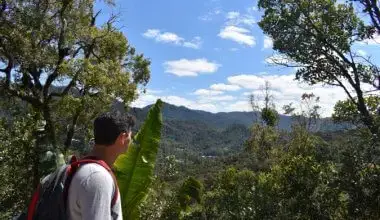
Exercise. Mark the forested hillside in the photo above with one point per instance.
(63, 63)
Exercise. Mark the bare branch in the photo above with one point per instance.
(93, 20)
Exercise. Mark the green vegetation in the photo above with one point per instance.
(192, 164)
(134, 169)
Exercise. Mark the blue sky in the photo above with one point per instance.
(211, 54)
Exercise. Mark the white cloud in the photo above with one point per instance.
(362, 53)
(268, 42)
(233, 15)
(375, 40)
(173, 38)
(149, 98)
(185, 67)
(253, 9)
(285, 90)
(151, 33)
(235, 18)
(237, 34)
(165, 37)
(210, 99)
(234, 49)
(224, 87)
(153, 91)
(210, 15)
(238, 106)
(206, 92)
(196, 43)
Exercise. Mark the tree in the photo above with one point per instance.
(308, 114)
(263, 136)
(345, 111)
(55, 59)
(372, 8)
(268, 114)
(317, 36)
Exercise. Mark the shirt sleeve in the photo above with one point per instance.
(96, 197)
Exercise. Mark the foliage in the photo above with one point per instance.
(64, 67)
(262, 140)
(372, 9)
(134, 169)
(317, 37)
(179, 206)
(15, 158)
(158, 198)
(269, 116)
(346, 111)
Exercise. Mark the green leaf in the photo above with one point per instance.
(134, 169)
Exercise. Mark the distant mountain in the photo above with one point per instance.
(193, 133)
(223, 119)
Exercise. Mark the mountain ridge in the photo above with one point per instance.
(222, 120)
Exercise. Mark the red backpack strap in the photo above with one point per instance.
(33, 203)
(86, 160)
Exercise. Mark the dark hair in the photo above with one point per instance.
(108, 126)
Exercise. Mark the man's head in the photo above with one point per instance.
(113, 131)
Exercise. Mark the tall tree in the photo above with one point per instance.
(372, 8)
(265, 106)
(318, 37)
(56, 57)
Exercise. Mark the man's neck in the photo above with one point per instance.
(102, 153)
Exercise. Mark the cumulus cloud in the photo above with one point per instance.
(268, 42)
(236, 27)
(224, 87)
(195, 43)
(206, 92)
(235, 18)
(210, 15)
(286, 90)
(172, 38)
(185, 67)
(238, 34)
(148, 98)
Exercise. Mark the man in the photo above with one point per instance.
(93, 188)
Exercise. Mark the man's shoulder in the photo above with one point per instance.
(92, 171)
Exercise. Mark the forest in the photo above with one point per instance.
(59, 69)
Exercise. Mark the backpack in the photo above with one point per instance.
(49, 201)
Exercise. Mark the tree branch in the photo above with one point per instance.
(71, 131)
(29, 99)
(93, 19)
(373, 12)
(62, 52)
(344, 88)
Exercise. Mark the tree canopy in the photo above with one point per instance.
(318, 38)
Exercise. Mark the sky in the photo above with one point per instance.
(211, 55)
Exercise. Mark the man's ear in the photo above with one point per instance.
(120, 139)
(125, 137)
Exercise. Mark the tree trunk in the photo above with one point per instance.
(366, 116)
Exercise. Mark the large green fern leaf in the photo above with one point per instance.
(134, 169)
